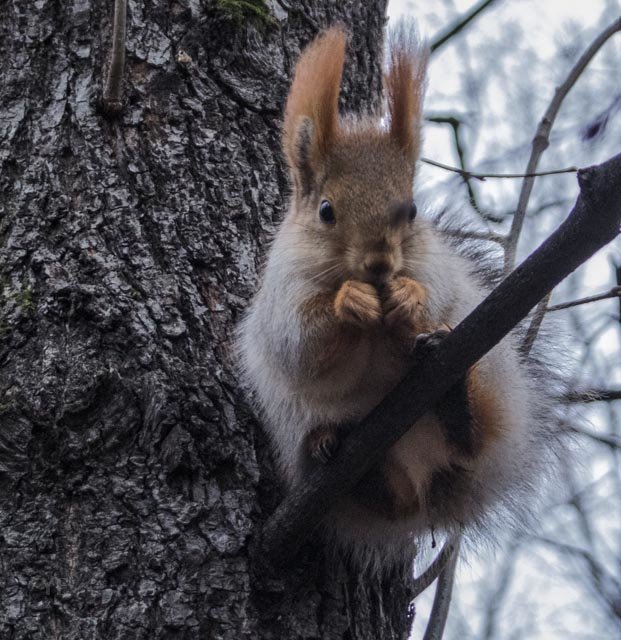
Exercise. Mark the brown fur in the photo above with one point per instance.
(319, 310)
(404, 86)
(314, 93)
(405, 304)
(357, 303)
(404, 493)
(486, 409)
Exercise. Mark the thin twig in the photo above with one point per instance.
(455, 124)
(500, 589)
(483, 176)
(593, 395)
(610, 440)
(455, 28)
(442, 598)
(535, 324)
(113, 91)
(615, 292)
(434, 569)
(542, 139)
(502, 215)
(604, 583)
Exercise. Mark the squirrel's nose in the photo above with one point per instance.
(377, 267)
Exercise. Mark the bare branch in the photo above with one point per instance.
(463, 22)
(593, 222)
(615, 292)
(502, 215)
(113, 91)
(483, 176)
(605, 585)
(594, 395)
(455, 124)
(435, 568)
(542, 139)
(535, 324)
(442, 598)
(617, 268)
(610, 440)
(500, 589)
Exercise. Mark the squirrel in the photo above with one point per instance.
(356, 286)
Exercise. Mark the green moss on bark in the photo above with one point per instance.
(240, 11)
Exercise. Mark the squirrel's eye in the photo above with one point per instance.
(412, 212)
(326, 213)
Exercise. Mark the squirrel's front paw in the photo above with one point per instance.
(404, 303)
(357, 303)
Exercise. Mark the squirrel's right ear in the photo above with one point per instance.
(404, 86)
(311, 116)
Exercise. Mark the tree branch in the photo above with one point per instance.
(542, 139)
(435, 568)
(455, 124)
(593, 395)
(610, 440)
(113, 91)
(615, 292)
(456, 27)
(535, 324)
(593, 222)
(500, 589)
(605, 584)
(442, 598)
(483, 176)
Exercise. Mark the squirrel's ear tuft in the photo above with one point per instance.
(311, 116)
(404, 85)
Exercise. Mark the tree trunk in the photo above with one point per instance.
(133, 478)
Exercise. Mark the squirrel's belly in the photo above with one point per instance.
(357, 381)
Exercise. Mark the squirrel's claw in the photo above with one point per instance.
(430, 340)
(427, 342)
(323, 443)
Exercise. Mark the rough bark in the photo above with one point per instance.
(133, 479)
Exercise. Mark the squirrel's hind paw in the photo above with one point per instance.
(323, 443)
(425, 342)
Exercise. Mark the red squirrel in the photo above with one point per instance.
(356, 284)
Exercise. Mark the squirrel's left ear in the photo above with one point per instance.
(404, 86)
(311, 116)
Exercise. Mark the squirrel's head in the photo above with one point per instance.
(352, 178)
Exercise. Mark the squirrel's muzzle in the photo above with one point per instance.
(377, 267)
